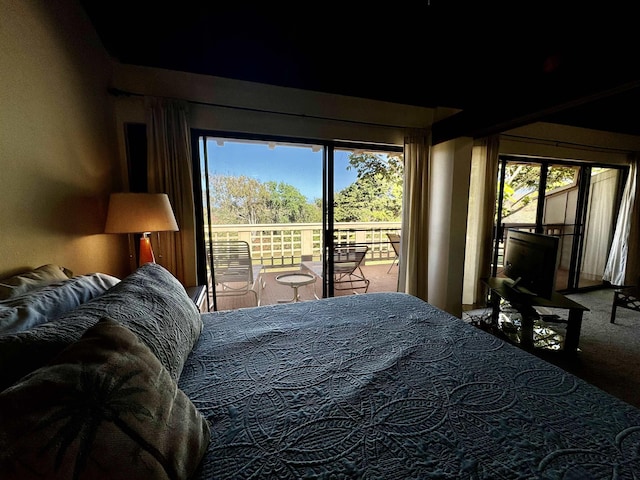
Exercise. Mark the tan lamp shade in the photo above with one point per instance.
(140, 213)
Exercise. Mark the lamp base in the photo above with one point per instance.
(146, 252)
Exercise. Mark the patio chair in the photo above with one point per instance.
(347, 274)
(394, 239)
(233, 270)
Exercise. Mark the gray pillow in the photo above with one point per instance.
(31, 279)
(46, 303)
(151, 302)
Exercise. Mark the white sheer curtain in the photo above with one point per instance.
(480, 219)
(169, 171)
(598, 224)
(413, 268)
(622, 264)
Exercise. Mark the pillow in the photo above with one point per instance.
(105, 408)
(38, 277)
(151, 302)
(46, 303)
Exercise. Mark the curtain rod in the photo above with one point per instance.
(123, 93)
(553, 143)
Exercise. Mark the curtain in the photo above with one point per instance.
(413, 274)
(622, 265)
(480, 219)
(598, 224)
(169, 171)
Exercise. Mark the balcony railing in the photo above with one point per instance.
(287, 244)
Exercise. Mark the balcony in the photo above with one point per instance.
(282, 247)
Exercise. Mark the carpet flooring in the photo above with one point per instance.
(609, 354)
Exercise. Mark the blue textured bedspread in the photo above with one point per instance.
(385, 386)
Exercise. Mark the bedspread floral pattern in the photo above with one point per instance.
(386, 386)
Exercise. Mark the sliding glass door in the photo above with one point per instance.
(295, 204)
(367, 209)
(600, 214)
(576, 202)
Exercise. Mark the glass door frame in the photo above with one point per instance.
(328, 176)
(581, 208)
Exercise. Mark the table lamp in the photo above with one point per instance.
(140, 213)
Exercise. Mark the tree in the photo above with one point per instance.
(376, 195)
(371, 165)
(287, 204)
(522, 181)
(239, 200)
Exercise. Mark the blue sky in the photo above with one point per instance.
(297, 166)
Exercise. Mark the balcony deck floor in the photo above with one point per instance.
(274, 292)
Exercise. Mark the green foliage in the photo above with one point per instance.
(245, 200)
(370, 199)
(375, 165)
(376, 195)
(287, 205)
(522, 181)
(237, 200)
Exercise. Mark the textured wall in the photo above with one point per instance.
(58, 156)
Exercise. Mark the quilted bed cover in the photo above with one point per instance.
(386, 386)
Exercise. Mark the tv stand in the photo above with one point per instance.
(502, 288)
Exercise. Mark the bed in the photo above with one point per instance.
(371, 386)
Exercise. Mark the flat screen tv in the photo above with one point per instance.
(531, 260)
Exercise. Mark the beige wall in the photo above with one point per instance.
(58, 160)
(548, 140)
(247, 107)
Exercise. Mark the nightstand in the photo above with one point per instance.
(199, 296)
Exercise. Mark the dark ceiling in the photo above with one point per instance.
(504, 68)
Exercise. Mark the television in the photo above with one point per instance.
(531, 261)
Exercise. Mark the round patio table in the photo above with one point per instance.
(295, 280)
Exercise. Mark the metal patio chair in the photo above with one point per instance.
(233, 270)
(347, 274)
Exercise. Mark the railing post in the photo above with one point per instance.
(307, 242)
(246, 236)
(361, 239)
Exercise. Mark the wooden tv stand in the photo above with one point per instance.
(499, 289)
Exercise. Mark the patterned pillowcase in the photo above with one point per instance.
(38, 277)
(151, 302)
(104, 408)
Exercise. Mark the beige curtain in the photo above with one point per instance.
(169, 171)
(623, 264)
(480, 219)
(413, 267)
